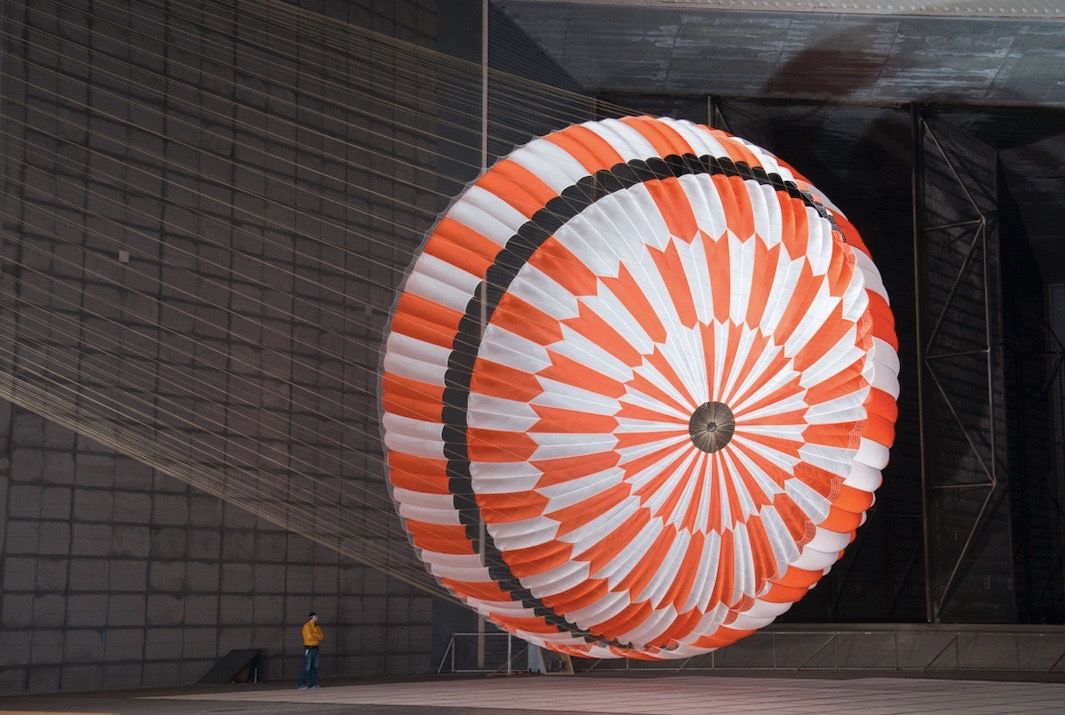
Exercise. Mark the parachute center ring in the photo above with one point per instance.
(711, 426)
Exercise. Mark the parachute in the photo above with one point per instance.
(638, 389)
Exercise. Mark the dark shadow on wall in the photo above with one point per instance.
(990, 550)
(997, 563)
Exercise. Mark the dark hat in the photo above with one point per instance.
(312, 614)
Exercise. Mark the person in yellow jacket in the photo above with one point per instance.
(313, 635)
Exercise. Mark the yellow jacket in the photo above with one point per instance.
(312, 634)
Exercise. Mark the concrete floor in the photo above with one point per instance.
(601, 695)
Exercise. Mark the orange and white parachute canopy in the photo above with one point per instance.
(676, 411)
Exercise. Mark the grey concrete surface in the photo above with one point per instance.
(603, 695)
(272, 699)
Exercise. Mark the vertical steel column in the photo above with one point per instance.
(917, 181)
(484, 84)
(484, 288)
(715, 118)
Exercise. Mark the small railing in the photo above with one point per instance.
(502, 654)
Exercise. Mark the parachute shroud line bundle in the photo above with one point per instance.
(676, 413)
(267, 172)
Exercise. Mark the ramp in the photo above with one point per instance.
(236, 666)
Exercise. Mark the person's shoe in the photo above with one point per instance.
(314, 686)
(302, 687)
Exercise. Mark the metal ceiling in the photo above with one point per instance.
(882, 57)
(958, 8)
(999, 66)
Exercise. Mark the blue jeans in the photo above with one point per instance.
(309, 673)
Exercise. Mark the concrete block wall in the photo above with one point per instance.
(113, 575)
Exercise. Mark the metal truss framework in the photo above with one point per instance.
(931, 357)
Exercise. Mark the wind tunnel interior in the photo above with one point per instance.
(118, 574)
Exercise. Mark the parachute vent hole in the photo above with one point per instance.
(711, 426)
